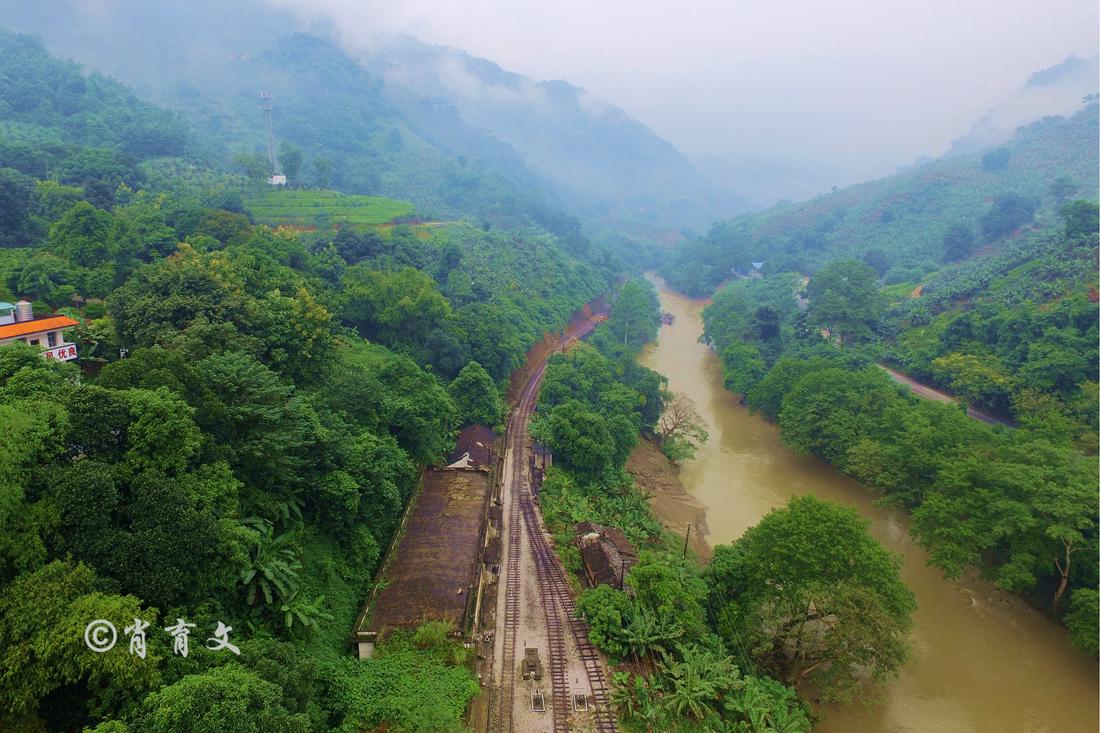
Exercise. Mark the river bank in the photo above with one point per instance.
(982, 660)
(673, 505)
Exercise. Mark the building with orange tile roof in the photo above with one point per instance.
(18, 323)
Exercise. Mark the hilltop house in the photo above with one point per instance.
(18, 323)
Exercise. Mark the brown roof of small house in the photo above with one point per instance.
(622, 544)
(587, 528)
(477, 440)
(598, 565)
(606, 553)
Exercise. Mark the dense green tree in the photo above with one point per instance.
(322, 171)
(1058, 364)
(844, 299)
(1062, 188)
(446, 351)
(634, 314)
(579, 438)
(229, 697)
(672, 590)
(476, 397)
(1084, 608)
(166, 557)
(172, 294)
(83, 235)
(1009, 212)
(30, 434)
(408, 689)
(609, 612)
(52, 199)
(996, 160)
(25, 374)
(393, 308)
(903, 464)
(1082, 219)
(982, 380)
(584, 373)
(368, 491)
(44, 277)
(255, 166)
(290, 157)
(355, 246)
(15, 205)
(650, 387)
(766, 396)
(1029, 504)
(256, 420)
(828, 411)
(958, 243)
(496, 334)
(227, 227)
(743, 367)
(417, 410)
(813, 597)
(43, 615)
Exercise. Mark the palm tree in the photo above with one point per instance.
(697, 680)
(273, 568)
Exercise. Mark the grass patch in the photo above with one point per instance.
(322, 209)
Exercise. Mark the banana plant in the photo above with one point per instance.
(274, 566)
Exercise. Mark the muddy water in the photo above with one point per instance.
(982, 661)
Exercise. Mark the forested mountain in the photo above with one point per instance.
(487, 149)
(907, 225)
(604, 162)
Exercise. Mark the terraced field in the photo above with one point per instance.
(322, 208)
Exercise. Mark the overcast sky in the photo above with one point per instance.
(857, 85)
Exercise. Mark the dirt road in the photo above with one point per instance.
(931, 393)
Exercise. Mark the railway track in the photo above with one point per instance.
(555, 595)
(511, 614)
(557, 588)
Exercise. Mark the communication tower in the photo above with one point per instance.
(268, 101)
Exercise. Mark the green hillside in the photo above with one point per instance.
(899, 224)
(249, 415)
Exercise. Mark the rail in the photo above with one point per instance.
(554, 591)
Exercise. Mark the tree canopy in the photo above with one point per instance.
(814, 598)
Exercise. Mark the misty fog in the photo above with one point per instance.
(834, 93)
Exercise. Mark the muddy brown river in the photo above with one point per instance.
(982, 661)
